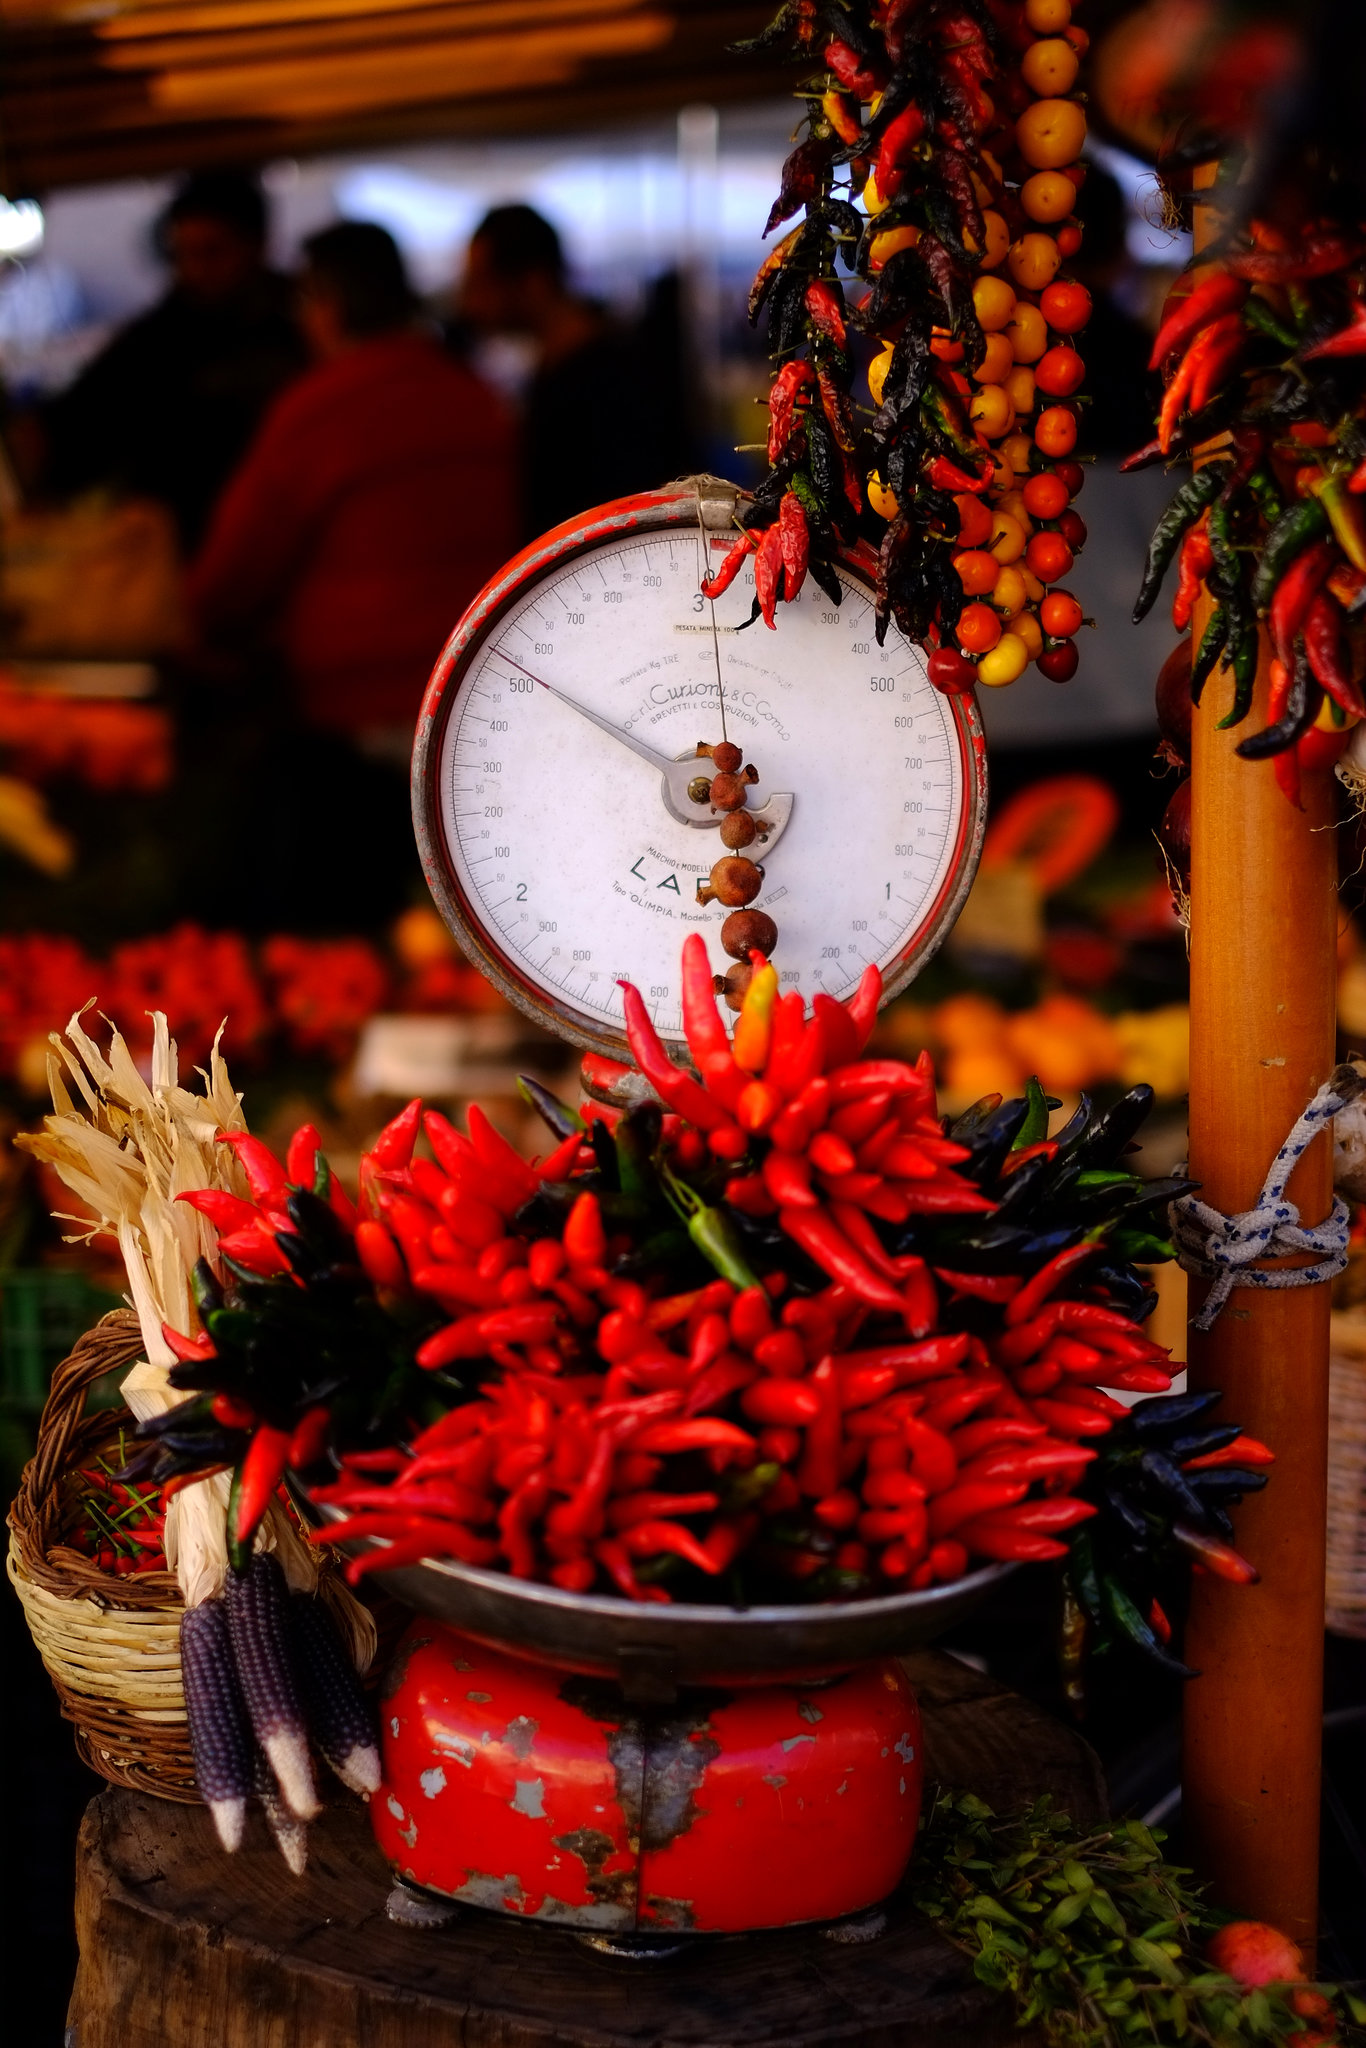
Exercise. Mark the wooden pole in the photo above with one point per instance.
(1263, 933)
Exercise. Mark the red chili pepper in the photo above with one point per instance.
(794, 1050)
(794, 540)
(1005, 1544)
(584, 1239)
(874, 1077)
(1046, 1281)
(189, 1350)
(948, 476)
(227, 1213)
(394, 1145)
(301, 1156)
(818, 1473)
(310, 1437)
(1296, 592)
(1228, 341)
(614, 1561)
(1216, 295)
(967, 1503)
(1217, 1557)
(1194, 564)
(1325, 643)
(933, 1459)
(263, 1468)
(861, 76)
(650, 1539)
(1244, 1450)
(697, 1433)
(265, 1175)
(1071, 1418)
(1312, 256)
(996, 1287)
(455, 1286)
(716, 585)
(792, 381)
(515, 1517)
(411, 1543)
(669, 1082)
(496, 1154)
(1026, 1461)
(820, 1237)
(379, 1255)
(754, 1025)
(1348, 341)
(255, 1250)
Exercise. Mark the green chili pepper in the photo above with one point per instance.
(1305, 520)
(1034, 1129)
(1081, 1571)
(711, 1230)
(1258, 314)
(1211, 647)
(1244, 665)
(1127, 1618)
(239, 1554)
(557, 1116)
(1184, 509)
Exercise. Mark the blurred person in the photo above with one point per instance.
(605, 412)
(167, 408)
(376, 500)
(374, 503)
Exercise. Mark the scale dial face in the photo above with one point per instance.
(557, 849)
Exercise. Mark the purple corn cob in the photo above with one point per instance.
(219, 1734)
(258, 1616)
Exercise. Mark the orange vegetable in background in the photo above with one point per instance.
(1056, 827)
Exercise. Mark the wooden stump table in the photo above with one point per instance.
(185, 1947)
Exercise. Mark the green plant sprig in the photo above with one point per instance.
(1093, 1935)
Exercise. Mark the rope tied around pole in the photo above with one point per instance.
(1224, 1249)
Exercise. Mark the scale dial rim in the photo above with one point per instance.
(655, 511)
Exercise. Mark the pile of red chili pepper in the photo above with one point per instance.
(1263, 344)
(954, 123)
(776, 1331)
(120, 1527)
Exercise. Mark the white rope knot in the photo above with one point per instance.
(1224, 1249)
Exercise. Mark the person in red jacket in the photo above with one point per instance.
(376, 499)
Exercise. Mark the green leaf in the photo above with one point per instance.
(1077, 1875)
(1064, 1914)
(1157, 1960)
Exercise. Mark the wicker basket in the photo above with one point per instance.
(1346, 1602)
(111, 1646)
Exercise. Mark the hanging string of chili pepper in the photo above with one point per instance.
(1263, 346)
(937, 165)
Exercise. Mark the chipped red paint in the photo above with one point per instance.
(515, 1787)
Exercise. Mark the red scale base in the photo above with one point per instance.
(527, 1790)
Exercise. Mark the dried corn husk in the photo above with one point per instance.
(126, 1148)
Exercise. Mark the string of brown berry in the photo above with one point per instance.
(735, 879)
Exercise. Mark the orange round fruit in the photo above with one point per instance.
(978, 628)
(1050, 133)
(1072, 474)
(1059, 372)
(994, 301)
(992, 412)
(1004, 663)
(1020, 390)
(1049, 67)
(1007, 538)
(998, 238)
(1069, 240)
(1025, 626)
(1033, 261)
(1048, 196)
(998, 361)
(1060, 614)
(974, 520)
(1013, 503)
(1055, 431)
(1009, 593)
(1017, 448)
(1048, 557)
(1028, 331)
(1048, 17)
(977, 571)
(891, 243)
(1045, 495)
(1066, 307)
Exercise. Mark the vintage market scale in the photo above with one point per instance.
(636, 1773)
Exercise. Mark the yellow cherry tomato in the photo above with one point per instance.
(997, 363)
(1048, 17)
(1037, 591)
(1033, 261)
(995, 303)
(1018, 449)
(1026, 627)
(877, 371)
(998, 239)
(1008, 592)
(1050, 134)
(992, 412)
(1048, 196)
(1013, 503)
(1028, 331)
(890, 243)
(1002, 472)
(1020, 384)
(1003, 663)
(1008, 537)
(880, 498)
(873, 201)
(1049, 67)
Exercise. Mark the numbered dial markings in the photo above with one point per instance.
(557, 832)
